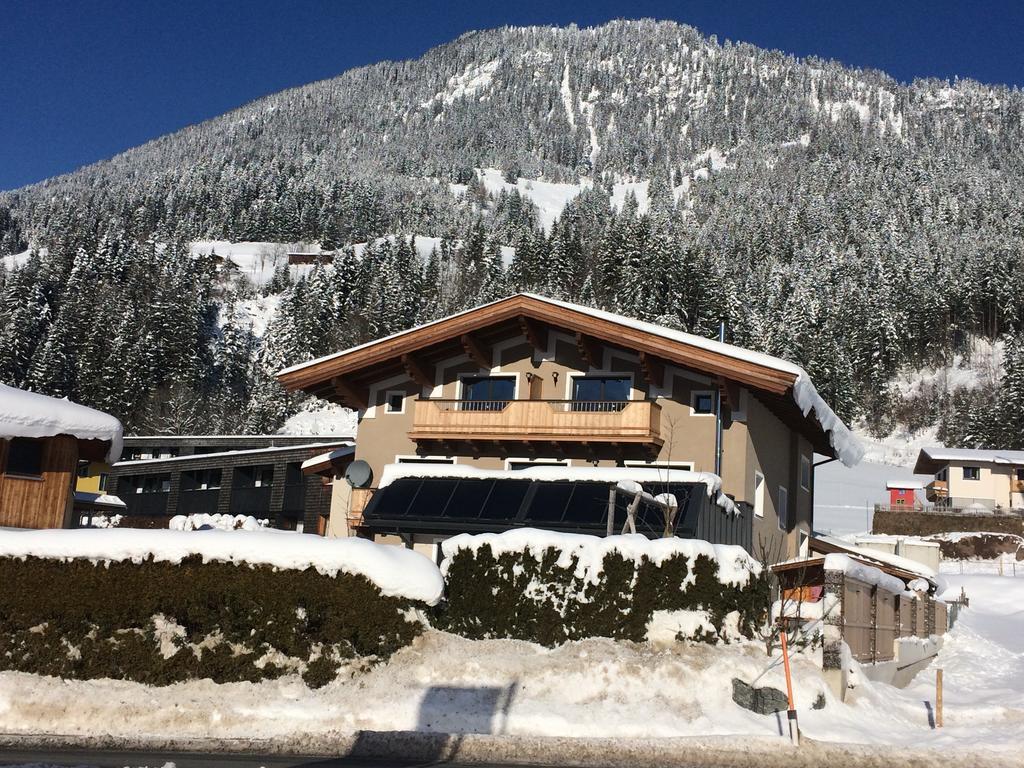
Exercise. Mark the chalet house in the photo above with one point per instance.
(42, 440)
(160, 476)
(532, 411)
(967, 478)
(903, 493)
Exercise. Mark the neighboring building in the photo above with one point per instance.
(259, 476)
(903, 493)
(967, 478)
(43, 440)
(530, 383)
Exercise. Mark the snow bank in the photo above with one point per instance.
(397, 572)
(30, 414)
(735, 566)
(865, 573)
(626, 478)
(217, 522)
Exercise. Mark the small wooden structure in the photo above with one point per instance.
(43, 439)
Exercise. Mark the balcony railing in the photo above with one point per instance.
(609, 421)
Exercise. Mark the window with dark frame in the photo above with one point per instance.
(25, 457)
(487, 393)
(600, 393)
(783, 510)
(805, 473)
(972, 473)
(703, 403)
(395, 402)
(1020, 475)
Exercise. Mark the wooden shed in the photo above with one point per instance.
(42, 440)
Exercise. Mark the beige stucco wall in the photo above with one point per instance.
(994, 483)
(754, 440)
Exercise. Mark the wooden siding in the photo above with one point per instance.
(44, 502)
(638, 421)
(858, 628)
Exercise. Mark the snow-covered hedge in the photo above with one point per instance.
(549, 587)
(163, 606)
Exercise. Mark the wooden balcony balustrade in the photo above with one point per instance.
(580, 421)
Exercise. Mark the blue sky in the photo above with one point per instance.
(81, 81)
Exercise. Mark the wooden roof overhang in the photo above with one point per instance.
(345, 377)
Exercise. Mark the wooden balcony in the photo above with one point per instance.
(936, 490)
(559, 421)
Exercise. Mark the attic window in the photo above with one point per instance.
(394, 402)
(25, 457)
(703, 403)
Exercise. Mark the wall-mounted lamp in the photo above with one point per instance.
(554, 377)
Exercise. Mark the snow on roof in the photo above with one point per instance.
(102, 499)
(910, 485)
(847, 447)
(992, 456)
(855, 569)
(220, 454)
(396, 571)
(903, 563)
(323, 458)
(30, 414)
(653, 475)
(735, 565)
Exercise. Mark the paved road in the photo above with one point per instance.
(116, 759)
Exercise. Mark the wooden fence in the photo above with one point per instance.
(873, 620)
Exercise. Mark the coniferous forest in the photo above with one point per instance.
(833, 216)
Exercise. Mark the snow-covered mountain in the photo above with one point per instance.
(864, 227)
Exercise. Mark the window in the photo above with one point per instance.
(103, 481)
(758, 494)
(703, 403)
(487, 393)
(805, 473)
(783, 508)
(942, 475)
(424, 460)
(262, 477)
(25, 457)
(685, 466)
(527, 463)
(83, 469)
(972, 473)
(394, 401)
(1020, 475)
(600, 393)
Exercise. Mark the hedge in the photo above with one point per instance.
(160, 622)
(912, 523)
(524, 596)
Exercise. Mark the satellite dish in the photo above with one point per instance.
(359, 474)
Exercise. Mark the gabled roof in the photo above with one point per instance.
(784, 386)
(931, 460)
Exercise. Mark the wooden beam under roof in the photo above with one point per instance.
(357, 397)
(419, 372)
(535, 333)
(729, 391)
(477, 352)
(590, 349)
(653, 370)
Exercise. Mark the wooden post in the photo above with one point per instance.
(794, 726)
(610, 528)
(938, 698)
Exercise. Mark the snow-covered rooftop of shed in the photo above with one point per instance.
(992, 456)
(337, 453)
(847, 447)
(903, 563)
(397, 572)
(651, 475)
(30, 414)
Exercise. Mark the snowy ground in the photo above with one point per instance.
(594, 688)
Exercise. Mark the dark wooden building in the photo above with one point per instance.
(195, 475)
